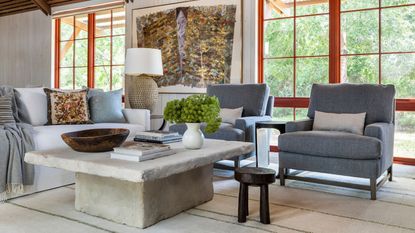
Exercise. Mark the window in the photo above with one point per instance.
(89, 50)
(331, 41)
(295, 51)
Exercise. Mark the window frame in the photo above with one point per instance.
(91, 38)
(335, 13)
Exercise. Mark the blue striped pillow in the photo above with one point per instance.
(6, 112)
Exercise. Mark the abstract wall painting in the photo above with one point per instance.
(201, 42)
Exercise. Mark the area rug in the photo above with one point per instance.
(297, 207)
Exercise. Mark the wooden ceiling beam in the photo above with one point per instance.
(24, 8)
(307, 3)
(279, 7)
(117, 18)
(81, 26)
(12, 3)
(43, 6)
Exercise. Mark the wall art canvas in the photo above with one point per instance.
(201, 42)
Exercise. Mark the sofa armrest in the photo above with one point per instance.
(137, 116)
(247, 124)
(385, 132)
(300, 125)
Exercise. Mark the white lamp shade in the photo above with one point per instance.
(143, 61)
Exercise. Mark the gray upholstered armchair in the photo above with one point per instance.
(365, 156)
(257, 106)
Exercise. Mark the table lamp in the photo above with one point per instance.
(142, 64)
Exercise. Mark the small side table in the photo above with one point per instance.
(279, 125)
(254, 176)
(157, 117)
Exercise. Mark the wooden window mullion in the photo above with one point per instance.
(91, 50)
(334, 41)
(57, 52)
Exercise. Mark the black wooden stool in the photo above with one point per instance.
(254, 176)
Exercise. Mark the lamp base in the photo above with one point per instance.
(142, 92)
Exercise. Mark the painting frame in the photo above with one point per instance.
(236, 73)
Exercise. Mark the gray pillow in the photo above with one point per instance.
(345, 122)
(92, 91)
(106, 107)
(6, 112)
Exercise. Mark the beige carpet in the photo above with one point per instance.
(298, 207)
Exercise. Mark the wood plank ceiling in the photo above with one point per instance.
(10, 7)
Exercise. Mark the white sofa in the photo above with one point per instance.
(46, 137)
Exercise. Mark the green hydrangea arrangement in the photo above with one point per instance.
(195, 109)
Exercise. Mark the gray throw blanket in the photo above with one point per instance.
(15, 141)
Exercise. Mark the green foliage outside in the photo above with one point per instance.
(360, 31)
(195, 109)
(102, 61)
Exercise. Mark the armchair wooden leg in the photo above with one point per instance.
(373, 188)
(282, 176)
(390, 173)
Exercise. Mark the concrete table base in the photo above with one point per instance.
(143, 204)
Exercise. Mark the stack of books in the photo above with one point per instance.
(140, 151)
(156, 136)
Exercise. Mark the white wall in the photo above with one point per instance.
(25, 49)
(26, 46)
(249, 46)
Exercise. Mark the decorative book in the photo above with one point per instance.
(142, 158)
(157, 135)
(140, 148)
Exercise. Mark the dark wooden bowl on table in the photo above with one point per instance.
(95, 140)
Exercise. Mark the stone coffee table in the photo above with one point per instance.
(141, 193)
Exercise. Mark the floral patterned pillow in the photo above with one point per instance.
(67, 107)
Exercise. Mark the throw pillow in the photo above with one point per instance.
(346, 122)
(106, 107)
(67, 107)
(92, 91)
(230, 115)
(32, 105)
(6, 112)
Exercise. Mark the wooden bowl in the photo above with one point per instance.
(95, 140)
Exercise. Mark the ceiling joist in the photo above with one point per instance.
(43, 6)
(10, 7)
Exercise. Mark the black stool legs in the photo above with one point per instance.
(243, 204)
(264, 207)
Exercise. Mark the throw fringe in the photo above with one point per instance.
(11, 189)
(3, 197)
(15, 188)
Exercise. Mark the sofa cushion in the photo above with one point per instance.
(236, 96)
(106, 107)
(331, 144)
(226, 132)
(32, 105)
(67, 107)
(376, 100)
(49, 136)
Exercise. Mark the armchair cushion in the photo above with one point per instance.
(331, 144)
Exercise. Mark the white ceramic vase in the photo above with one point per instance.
(193, 137)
